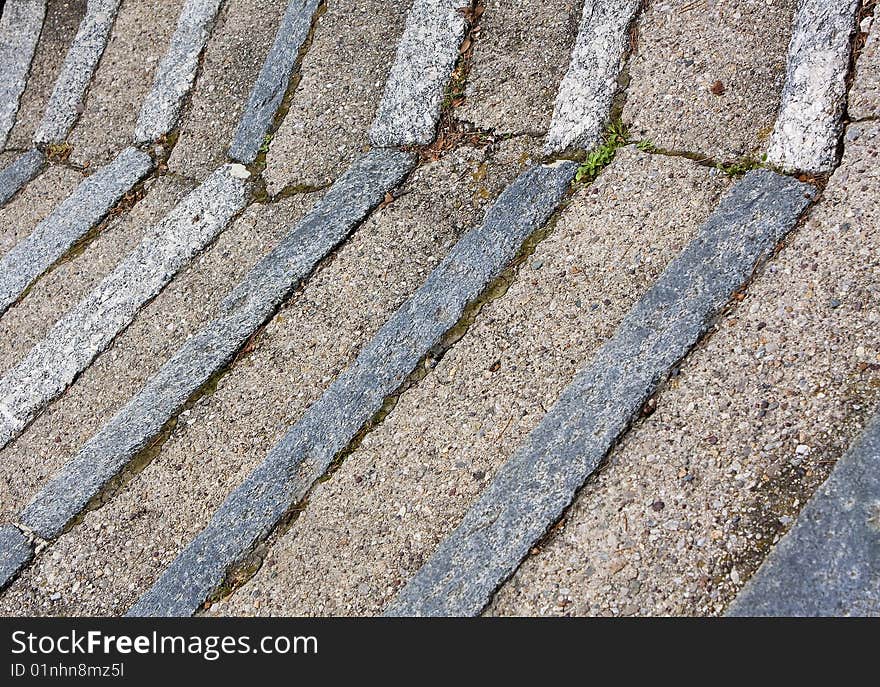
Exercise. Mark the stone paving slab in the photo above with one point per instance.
(69, 222)
(140, 38)
(522, 53)
(18, 171)
(60, 26)
(232, 61)
(15, 551)
(79, 66)
(88, 328)
(695, 494)
(370, 526)
(345, 303)
(685, 47)
(20, 26)
(829, 563)
(342, 80)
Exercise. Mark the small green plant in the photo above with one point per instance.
(646, 146)
(267, 140)
(741, 166)
(615, 137)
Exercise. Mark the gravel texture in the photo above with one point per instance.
(103, 565)
(140, 38)
(370, 527)
(706, 76)
(695, 494)
(864, 96)
(519, 59)
(20, 26)
(342, 79)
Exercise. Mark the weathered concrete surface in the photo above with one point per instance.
(532, 489)
(273, 80)
(127, 543)
(82, 58)
(68, 223)
(584, 101)
(136, 354)
(829, 563)
(59, 29)
(15, 551)
(695, 494)
(520, 57)
(73, 278)
(810, 116)
(88, 328)
(176, 71)
(17, 172)
(864, 96)
(242, 312)
(20, 26)
(369, 528)
(426, 54)
(21, 215)
(232, 61)
(684, 50)
(140, 38)
(342, 79)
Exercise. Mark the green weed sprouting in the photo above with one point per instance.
(615, 137)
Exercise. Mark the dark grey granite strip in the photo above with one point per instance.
(19, 172)
(328, 426)
(272, 83)
(532, 489)
(829, 563)
(20, 26)
(76, 74)
(69, 222)
(176, 71)
(410, 107)
(15, 553)
(89, 327)
(247, 307)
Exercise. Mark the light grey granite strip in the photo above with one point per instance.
(176, 71)
(410, 106)
(829, 563)
(15, 553)
(89, 327)
(79, 66)
(247, 307)
(589, 85)
(68, 223)
(533, 488)
(809, 122)
(272, 83)
(19, 172)
(328, 426)
(20, 27)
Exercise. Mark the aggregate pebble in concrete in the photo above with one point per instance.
(427, 52)
(273, 81)
(518, 62)
(584, 100)
(69, 222)
(810, 117)
(15, 552)
(829, 563)
(177, 71)
(85, 331)
(59, 29)
(140, 37)
(65, 103)
(34, 203)
(342, 78)
(370, 526)
(229, 69)
(685, 50)
(531, 490)
(864, 96)
(246, 307)
(20, 26)
(104, 565)
(690, 501)
(19, 172)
